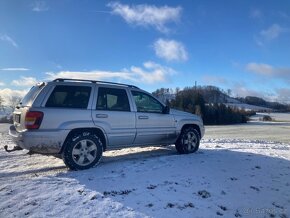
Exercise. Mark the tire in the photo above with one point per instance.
(82, 151)
(188, 141)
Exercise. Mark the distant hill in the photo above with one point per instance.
(249, 107)
(276, 106)
(213, 94)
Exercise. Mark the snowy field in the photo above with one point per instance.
(239, 171)
(276, 131)
(277, 117)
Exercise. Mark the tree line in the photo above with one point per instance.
(205, 101)
(6, 107)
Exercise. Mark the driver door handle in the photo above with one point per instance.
(143, 117)
(101, 115)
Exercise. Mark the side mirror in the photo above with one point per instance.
(166, 109)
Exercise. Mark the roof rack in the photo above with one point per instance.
(94, 81)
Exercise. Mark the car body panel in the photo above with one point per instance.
(44, 142)
(154, 128)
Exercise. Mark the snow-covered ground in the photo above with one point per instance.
(248, 107)
(238, 176)
(277, 117)
(276, 132)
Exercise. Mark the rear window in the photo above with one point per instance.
(69, 97)
(31, 95)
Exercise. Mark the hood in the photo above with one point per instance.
(180, 113)
(184, 114)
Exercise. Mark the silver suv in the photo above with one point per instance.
(79, 119)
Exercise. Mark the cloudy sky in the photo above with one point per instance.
(239, 45)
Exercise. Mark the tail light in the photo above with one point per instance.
(33, 119)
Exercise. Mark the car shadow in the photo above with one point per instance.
(115, 156)
(109, 157)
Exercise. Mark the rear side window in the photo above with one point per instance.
(112, 99)
(69, 97)
(31, 95)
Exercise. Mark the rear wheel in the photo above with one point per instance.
(188, 141)
(82, 151)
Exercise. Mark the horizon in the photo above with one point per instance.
(243, 46)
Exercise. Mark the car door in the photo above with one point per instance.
(113, 114)
(153, 125)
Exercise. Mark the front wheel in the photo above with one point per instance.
(82, 151)
(188, 141)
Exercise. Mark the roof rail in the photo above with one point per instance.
(94, 81)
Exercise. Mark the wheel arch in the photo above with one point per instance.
(76, 131)
(195, 126)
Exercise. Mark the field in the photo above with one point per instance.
(239, 171)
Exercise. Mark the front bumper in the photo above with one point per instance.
(39, 141)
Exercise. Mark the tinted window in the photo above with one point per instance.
(112, 99)
(69, 97)
(146, 103)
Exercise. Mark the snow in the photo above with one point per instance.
(277, 117)
(248, 107)
(265, 131)
(232, 175)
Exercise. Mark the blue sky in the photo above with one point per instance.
(239, 45)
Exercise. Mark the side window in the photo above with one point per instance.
(146, 103)
(69, 97)
(31, 95)
(112, 100)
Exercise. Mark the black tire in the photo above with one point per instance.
(82, 151)
(188, 141)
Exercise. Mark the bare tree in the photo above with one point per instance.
(1, 104)
(229, 92)
(13, 101)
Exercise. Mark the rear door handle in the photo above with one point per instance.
(143, 117)
(101, 115)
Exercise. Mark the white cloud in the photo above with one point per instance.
(272, 32)
(25, 81)
(170, 50)
(89, 75)
(241, 90)
(147, 15)
(150, 73)
(260, 68)
(270, 71)
(9, 94)
(6, 38)
(278, 95)
(256, 14)
(15, 69)
(39, 6)
(2, 83)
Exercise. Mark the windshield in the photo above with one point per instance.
(31, 95)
